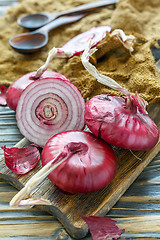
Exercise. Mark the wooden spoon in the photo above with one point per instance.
(33, 41)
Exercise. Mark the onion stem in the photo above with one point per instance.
(54, 52)
(17, 200)
(126, 40)
(109, 82)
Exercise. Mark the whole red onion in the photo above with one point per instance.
(122, 122)
(90, 166)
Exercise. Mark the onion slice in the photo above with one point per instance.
(121, 121)
(21, 160)
(47, 107)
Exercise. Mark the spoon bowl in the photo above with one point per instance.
(28, 43)
(37, 20)
(34, 21)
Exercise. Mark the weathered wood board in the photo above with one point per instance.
(69, 208)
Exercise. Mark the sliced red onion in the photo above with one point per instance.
(47, 107)
(79, 42)
(16, 88)
(21, 160)
(3, 91)
(123, 122)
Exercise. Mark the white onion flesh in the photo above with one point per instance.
(64, 104)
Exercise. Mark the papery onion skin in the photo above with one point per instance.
(16, 88)
(109, 118)
(79, 42)
(47, 107)
(102, 227)
(21, 160)
(83, 172)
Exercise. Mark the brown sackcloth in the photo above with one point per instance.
(136, 71)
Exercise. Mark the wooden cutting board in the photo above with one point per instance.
(70, 208)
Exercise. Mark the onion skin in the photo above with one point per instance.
(16, 88)
(83, 172)
(21, 160)
(109, 118)
(47, 107)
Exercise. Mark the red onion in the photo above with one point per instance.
(75, 161)
(121, 121)
(79, 42)
(16, 88)
(89, 169)
(49, 106)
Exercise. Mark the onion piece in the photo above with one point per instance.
(47, 107)
(3, 91)
(21, 160)
(123, 122)
(103, 228)
(16, 88)
(76, 161)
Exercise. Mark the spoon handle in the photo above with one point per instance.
(58, 22)
(88, 7)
